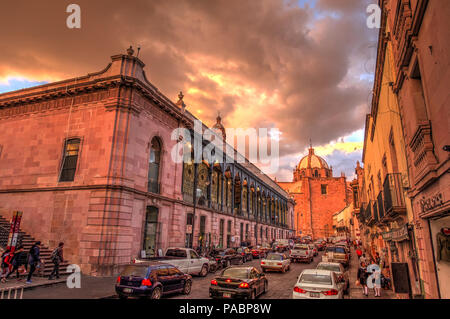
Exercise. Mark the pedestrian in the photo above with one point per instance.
(359, 252)
(362, 276)
(57, 258)
(363, 258)
(7, 257)
(34, 259)
(19, 260)
(376, 280)
(377, 259)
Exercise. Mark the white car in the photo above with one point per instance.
(185, 259)
(277, 262)
(339, 270)
(318, 284)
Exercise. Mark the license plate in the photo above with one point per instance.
(128, 290)
(226, 295)
(314, 294)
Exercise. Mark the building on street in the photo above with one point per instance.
(88, 161)
(318, 195)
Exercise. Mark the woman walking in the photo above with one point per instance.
(362, 276)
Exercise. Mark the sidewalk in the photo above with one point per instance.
(12, 289)
(91, 288)
(356, 292)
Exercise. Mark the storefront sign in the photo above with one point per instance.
(431, 202)
(398, 234)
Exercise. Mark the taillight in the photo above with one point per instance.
(242, 254)
(118, 280)
(244, 285)
(228, 280)
(279, 264)
(134, 260)
(263, 263)
(146, 282)
(331, 292)
(214, 282)
(299, 290)
(217, 259)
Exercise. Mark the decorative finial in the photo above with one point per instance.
(180, 102)
(130, 51)
(219, 119)
(310, 143)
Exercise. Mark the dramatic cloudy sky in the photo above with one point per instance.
(304, 67)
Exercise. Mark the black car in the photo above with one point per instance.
(227, 257)
(246, 253)
(153, 280)
(239, 282)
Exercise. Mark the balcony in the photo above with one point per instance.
(370, 220)
(361, 214)
(394, 201)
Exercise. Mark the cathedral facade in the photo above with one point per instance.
(318, 195)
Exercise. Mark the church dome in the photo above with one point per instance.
(312, 161)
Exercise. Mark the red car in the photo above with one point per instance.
(260, 251)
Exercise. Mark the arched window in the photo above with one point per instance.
(153, 166)
(316, 174)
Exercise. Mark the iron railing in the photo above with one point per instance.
(393, 195)
(380, 205)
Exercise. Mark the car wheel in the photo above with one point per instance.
(289, 267)
(242, 261)
(204, 271)
(264, 270)
(187, 287)
(156, 293)
(253, 295)
(265, 287)
(123, 297)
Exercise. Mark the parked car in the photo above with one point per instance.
(239, 282)
(302, 252)
(246, 253)
(318, 284)
(152, 279)
(314, 249)
(185, 259)
(227, 257)
(260, 251)
(277, 262)
(336, 254)
(339, 270)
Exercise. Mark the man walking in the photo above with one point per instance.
(33, 259)
(57, 258)
(19, 259)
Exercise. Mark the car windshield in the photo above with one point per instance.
(301, 247)
(135, 271)
(274, 257)
(330, 249)
(329, 267)
(176, 253)
(340, 250)
(240, 273)
(316, 279)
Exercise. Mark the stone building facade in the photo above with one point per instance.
(318, 195)
(88, 161)
(411, 94)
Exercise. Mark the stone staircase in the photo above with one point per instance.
(27, 241)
